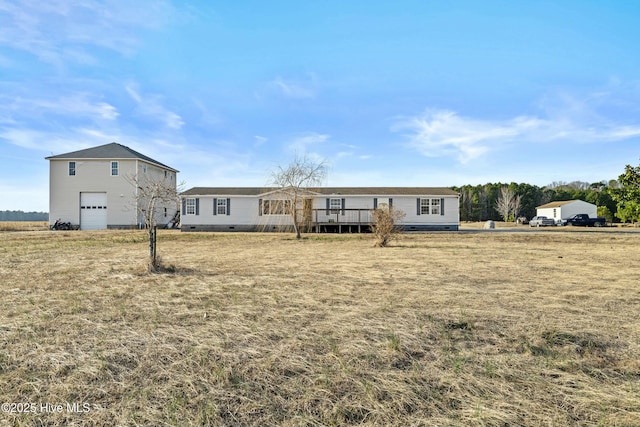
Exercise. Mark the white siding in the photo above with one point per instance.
(245, 211)
(569, 209)
(92, 176)
(148, 172)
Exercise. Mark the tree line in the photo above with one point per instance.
(23, 216)
(502, 201)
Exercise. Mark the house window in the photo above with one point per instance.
(435, 206)
(335, 205)
(424, 206)
(114, 168)
(165, 174)
(221, 208)
(276, 207)
(72, 168)
(190, 207)
(144, 168)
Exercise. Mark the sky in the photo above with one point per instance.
(385, 93)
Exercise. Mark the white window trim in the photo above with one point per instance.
(425, 204)
(117, 169)
(74, 168)
(435, 206)
(221, 207)
(280, 206)
(335, 205)
(190, 203)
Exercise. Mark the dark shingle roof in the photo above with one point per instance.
(378, 191)
(109, 151)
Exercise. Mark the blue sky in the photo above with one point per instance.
(402, 93)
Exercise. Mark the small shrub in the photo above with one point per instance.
(385, 225)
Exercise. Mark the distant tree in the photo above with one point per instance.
(385, 224)
(481, 202)
(508, 203)
(604, 212)
(627, 195)
(294, 182)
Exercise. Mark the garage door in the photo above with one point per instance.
(93, 211)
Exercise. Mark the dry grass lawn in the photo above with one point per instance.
(536, 328)
(24, 225)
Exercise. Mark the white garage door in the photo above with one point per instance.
(93, 211)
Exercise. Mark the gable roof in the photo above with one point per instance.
(112, 151)
(559, 204)
(327, 191)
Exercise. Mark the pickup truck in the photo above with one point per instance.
(541, 221)
(584, 220)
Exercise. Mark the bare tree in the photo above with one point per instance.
(385, 224)
(516, 205)
(156, 197)
(294, 182)
(508, 203)
(503, 204)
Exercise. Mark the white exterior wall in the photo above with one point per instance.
(91, 176)
(244, 212)
(95, 176)
(155, 174)
(570, 209)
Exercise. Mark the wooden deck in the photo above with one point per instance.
(339, 220)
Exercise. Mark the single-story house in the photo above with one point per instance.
(566, 209)
(97, 188)
(327, 209)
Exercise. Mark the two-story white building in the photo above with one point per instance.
(97, 188)
(338, 209)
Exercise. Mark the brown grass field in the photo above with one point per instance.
(24, 225)
(528, 328)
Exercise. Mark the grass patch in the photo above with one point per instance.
(24, 225)
(456, 329)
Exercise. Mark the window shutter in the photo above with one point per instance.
(184, 206)
(197, 206)
(375, 203)
(228, 206)
(442, 206)
(259, 207)
(328, 205)
(342, 203)
(418, 203)
(215, 206)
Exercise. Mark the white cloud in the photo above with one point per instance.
(59, 31)
(151, 106)
(303, 142)
(78, 104)
(445, 133)
(47, 142)
(296, 89)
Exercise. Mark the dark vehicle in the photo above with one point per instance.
(585, 221)
(59, 225)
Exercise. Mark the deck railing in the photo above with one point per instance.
(341, 216)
